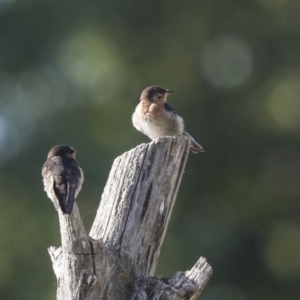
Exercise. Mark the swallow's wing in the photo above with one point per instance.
(66, 186)
(66, 181)
(169, 108)
(195, 147)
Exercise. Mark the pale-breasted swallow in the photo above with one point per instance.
(62, 177)
(155, 118)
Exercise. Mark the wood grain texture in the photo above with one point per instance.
(137, 202)
(80, 263)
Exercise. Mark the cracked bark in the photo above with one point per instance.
(117, 260)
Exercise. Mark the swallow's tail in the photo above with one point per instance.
(195, 147)
(70, 199)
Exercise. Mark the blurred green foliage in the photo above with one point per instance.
(71, 72)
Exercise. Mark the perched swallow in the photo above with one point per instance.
(62, 177)
(155, 118)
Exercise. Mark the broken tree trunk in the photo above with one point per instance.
(118, 260)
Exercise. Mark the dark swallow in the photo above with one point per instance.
(155, 118)
(62, 177)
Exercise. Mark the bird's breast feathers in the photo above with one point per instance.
(155, 125)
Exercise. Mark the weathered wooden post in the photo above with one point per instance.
(117, 260)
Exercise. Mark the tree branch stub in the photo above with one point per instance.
(135, 209)
(118, 260)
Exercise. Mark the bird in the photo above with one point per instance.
(62, 177)
(154, 117)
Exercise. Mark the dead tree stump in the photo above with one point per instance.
(117, 260)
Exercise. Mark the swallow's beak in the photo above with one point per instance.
(169, 92)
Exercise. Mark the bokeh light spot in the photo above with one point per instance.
(9, 140)
(227, 62)
(89, 61)
(283, 104)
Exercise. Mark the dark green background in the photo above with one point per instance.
(72, 72)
